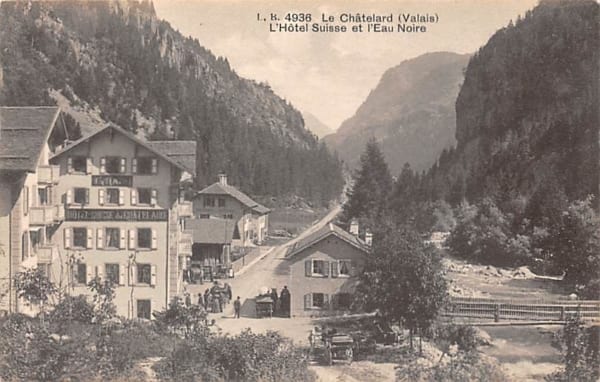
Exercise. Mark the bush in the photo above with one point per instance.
(71, 308)
(465, 337)
(245, 357)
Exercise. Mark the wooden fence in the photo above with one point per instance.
(514, 310)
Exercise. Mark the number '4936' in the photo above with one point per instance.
(298, 17)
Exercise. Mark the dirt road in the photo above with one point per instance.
(270, 271)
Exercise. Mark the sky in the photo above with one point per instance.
(331, 74)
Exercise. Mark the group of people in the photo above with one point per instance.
(214, 299)
(281, 302)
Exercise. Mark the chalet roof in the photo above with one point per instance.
(211, 231)
(225, 189)
(132, 137)
(23, 133)
(323, 233)
(183, 152)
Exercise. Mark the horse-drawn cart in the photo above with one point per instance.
(339, 347)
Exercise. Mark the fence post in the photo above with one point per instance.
(497, 313)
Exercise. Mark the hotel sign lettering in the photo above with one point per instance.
(120, 215)
(112, 180)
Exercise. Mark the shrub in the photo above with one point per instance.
(72, 308)
(465, 337)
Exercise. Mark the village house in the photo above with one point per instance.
(324, 270)
(29, 211)
(123, 217)
(221, 200)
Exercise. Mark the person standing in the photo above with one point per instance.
(188, 299)
(201, 300)
(284, 298)
(237, 306)
(274, 298)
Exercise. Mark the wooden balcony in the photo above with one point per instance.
(41, 215)
(48, 174)
(45, 254)
(184, 209)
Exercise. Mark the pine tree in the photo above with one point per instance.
(372, 184)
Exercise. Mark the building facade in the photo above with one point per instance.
(122, 219)
(29, 210)
(223, 201)
(324, 270)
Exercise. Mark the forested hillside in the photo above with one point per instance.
(410, 112)
(119, 60)
(527, 115)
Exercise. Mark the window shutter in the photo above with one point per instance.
(102, 165)
(307, 301)
(134, 165)
(88, 273)
(26, 201)
(153, 275)
(123, 167)
(100, 238)
(67, 237)
(90, 237)
(133, 275)
(69, 196)
(326, 268)
(100, 271)
(133, 196)
(353, 270)
(36, 196)
(154, 166)
(122, 239)
(122, 270)
(154, 197)
(101, 197)
(69, 165)
(154, 245)
(334, 269)
(87, 196)
(131, 239)
(325, 301)
(88, 165)
(26, 244)
(121, 197)
(308, 268)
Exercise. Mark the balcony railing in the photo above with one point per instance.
(184, 209)
(48, 174)
(45, 254)
(41, 215)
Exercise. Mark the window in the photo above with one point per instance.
(144, 238)
(345, 266)
(113, 236)
(209, 201)
(112, 273)
(145, 195)
(204, 216)
(144, 274)
(318, 267)
(144, 309)
(228, 216)
(44, 196)
(81, 196)
(221, 202)
(113, 165)
(318, 300)
(45, 269)
(145, 165)
(80, 274)
(112, 196)
(80, 237)
(79, 164)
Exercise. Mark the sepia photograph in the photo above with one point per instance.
(300, 190)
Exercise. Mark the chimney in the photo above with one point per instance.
(354, 227)
(223, 179)
(369, 238)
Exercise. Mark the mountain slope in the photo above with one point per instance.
(118, 58)
(410, 112)
(528, 111)
(314, 124)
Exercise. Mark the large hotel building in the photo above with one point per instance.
(112, 208)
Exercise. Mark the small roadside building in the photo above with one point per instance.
(324, 270)
(221, 200)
